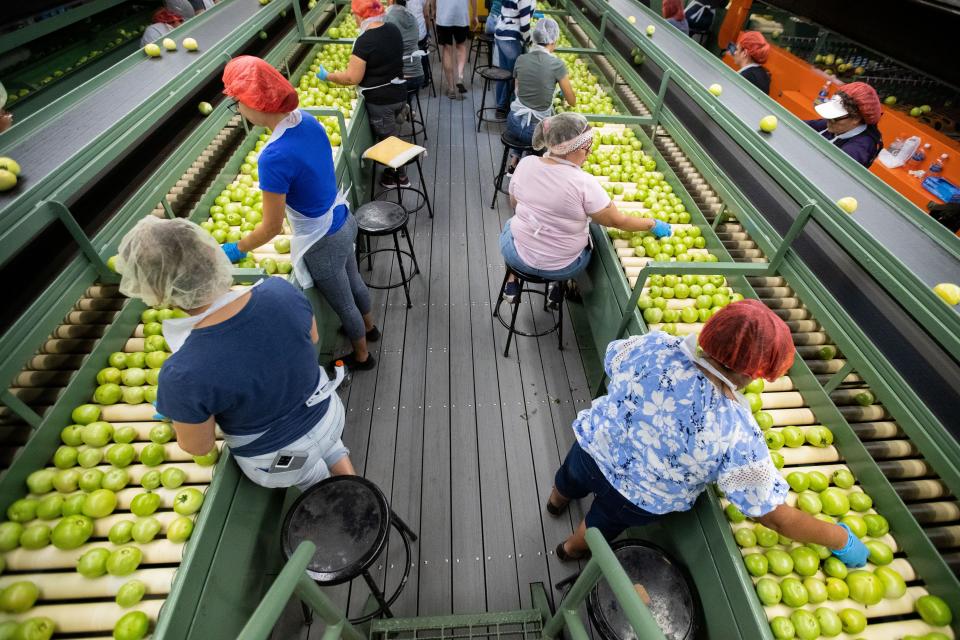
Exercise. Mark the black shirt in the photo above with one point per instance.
(382, 50)
(758, 77)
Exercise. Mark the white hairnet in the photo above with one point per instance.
(562, 133)
(172, 262)
(545, 31)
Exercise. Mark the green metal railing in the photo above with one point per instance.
(602, 564)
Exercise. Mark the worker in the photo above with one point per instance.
(453, 20)
(538, 74)
(415, 7)
(242, 360)
(673, 13)
(700, 14)
(554, 203)
(183, 8)
(296, 176)
(850, 121)
(164, 21)
(510, 38)
(6, 118)
(403, 19)
(749, 53)
(673, 422)
(376, 67)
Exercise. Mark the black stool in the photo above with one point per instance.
(482, 44)
(380, 218)
(349, 520)
(417, 123)
(522, 279)
(490, 74)
(510, 143)
(700, 35)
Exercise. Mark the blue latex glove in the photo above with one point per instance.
(233, 252)
(853, 554)
(157, 415)
(538, 15)
(660, 229)
(323, 73)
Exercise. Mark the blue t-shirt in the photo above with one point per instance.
(299, 164)
(253, 372)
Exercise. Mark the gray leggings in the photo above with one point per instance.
(333, 267)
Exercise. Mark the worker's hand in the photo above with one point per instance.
(660, 229)
(323, 73)
(6, 120)
(233, 252)
(853, 554)
(538, 15)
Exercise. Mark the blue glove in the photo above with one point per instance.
(323, 73)
(660, 229)
(538, 15)
(233, 252)
(157, 415)
(853, 554)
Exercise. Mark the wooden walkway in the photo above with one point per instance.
(463, 441)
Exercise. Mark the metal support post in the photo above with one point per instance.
(20, 408)
(658, 104)
(60, 210)
(167, 209)
(298, 16)
(838, 377)
(801, 220)
(719, 218)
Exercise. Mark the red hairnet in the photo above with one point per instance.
(167, 17)
(868, 102)
(747, 338)
(673, 9)
(755, 45)
(258, 85)
(364, 9)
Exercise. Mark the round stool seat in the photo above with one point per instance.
(348, 518)
(495, 74)
(509, 140)
(529, 277)
(380, 217)
(483, 37)
(671, 595)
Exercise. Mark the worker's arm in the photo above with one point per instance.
(274, 209)
(475, 16)
(567, 90)
(802, 527)
(610, 216)
(352, 75)
(314, 334)
(196, 439)
(513, 201)
(430, 11)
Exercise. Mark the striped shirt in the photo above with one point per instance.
(514, 23)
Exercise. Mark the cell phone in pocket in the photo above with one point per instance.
(287, 461)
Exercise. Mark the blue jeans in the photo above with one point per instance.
(512, 258)
(519, 130)
(611, 513)
(506, 57)
(491, 25)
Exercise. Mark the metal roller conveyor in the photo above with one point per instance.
(890, 449)
(945, 537)
(911, 490)
(67, 586)
(935, 512)
(877, 430)
(886, 608)
(87, 617)
(902, 469)
(154, 552)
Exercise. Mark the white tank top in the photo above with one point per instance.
(453, 13)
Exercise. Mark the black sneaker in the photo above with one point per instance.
(501, 113)
(403, 182)
(461, 87)
(555, 296)
(351, 362)
(511, 291)
(388, 182)
(372, 336)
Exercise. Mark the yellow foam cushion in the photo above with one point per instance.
(393, 152)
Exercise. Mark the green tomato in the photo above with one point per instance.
(36, 629)
(87, 413)
(853, 621)
(150, 480)
(809, 502)
(72, 435)
(934, 611)
(859, 501)
(798, 480)
(822, 552)
(834, 502)
(756, 402)
(208, 459)
(835, 568)
(8, 630)
(132, 626)
(91, 480)
(121, 532)
(837, 589)
(71, 532)
(22, 510)
(766, 537)
(745, 537)
(73, 505)
(180, 530)
(877, 525)
(65, 457)
(768, 590)
(816, 590)
(865, 588)
(830, 624)
(100, 503)
(856, 524)
(161, 433)
(806, 624)
(41, 481)
(187, 501)
(97, 434)
(780, 562)
(115, 479)
(173, 477)
(843, 478)
(792, 437)
(818, 436)
(144, 504)
(774, 440)
(125, 435)
(130, 593)
(124, 561)
(893, 584)
(806, 562)
(35, 536)
(19, 597)
(89, 458)
(777, 459)
(794, 593)
(818, 481)
(66, 480)
(782, 628)
(152, 454)
(764, 420)
(121, 455)
(757, 564)
(145, 529)
(93, 563)
(50, 507)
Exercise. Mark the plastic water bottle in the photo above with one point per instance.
(937, 165)
(894, 147)
(824, 94)
(918, 156)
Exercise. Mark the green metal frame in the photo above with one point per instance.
(20, 37)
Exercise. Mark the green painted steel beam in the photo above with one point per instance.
(20, 37)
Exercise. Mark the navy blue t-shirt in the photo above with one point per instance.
(253, 372)
(863, 147)
(299, 164)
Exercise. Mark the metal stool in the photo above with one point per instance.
(348, 518)
(426, 45)
(509, 143)
(380, 218)
(482, 44)
(395, 153)
(417, 123)
(490, 74)
(527, 278)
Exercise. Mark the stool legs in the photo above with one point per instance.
(403, 275)
(423, 184)
(377, 594)
(413, 256)
(513, 318)
(483, 103)
(420, 111)
(498, 181)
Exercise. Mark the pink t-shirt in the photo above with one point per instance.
(554, 201)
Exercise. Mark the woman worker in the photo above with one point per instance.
(376, 67)
(672, 422)
(751, 51)
(538, 73)
(674, 14)
(555, 202)
(297, 179)
(403, 19)
(850, 121)
(164, 21)
(243, 360)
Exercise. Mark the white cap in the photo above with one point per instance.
(832, 108)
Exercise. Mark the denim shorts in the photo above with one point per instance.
(509, 251)
(611, 513)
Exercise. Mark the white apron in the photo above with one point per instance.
(177, 330)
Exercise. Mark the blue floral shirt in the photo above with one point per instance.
(664, 431)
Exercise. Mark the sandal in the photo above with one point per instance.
(570, 557)
(554, 510)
